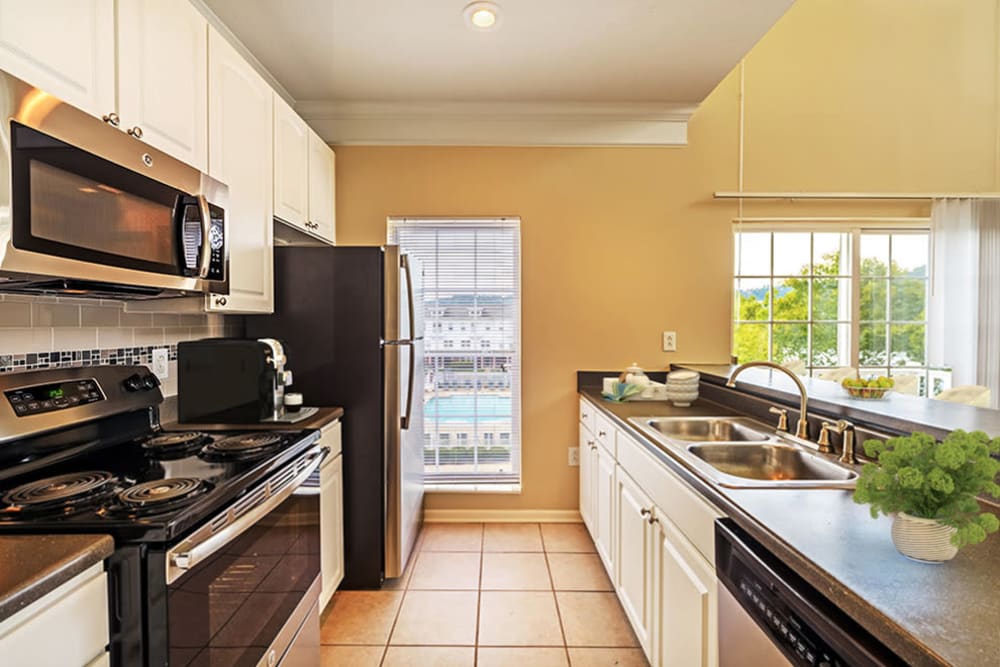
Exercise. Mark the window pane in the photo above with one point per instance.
(830, 255)
(874, 254)
(908, 344)
(872, 345)
(874, 292)
(750, 342)
(751, 299)
(791, 254)
(831, 299)
(909, 299)
(753, 254)
(790, 343)
(831, 344)
(909, 254)
(791, 299)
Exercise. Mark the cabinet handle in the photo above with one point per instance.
(221, 301)
(586, 415)
(135, 132)
(644, 512)
(112, 119)
(601, 434)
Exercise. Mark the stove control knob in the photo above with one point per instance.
(133, 382)
(150, 382)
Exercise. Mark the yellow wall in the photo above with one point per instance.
(620, 244)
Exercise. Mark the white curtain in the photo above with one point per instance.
(964, 309)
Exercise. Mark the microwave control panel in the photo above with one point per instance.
(35, 400)
(217, 244)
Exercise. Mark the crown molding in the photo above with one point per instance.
(498, 123)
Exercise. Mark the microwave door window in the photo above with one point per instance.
(81, 213)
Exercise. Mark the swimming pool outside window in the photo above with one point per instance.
(472, 388)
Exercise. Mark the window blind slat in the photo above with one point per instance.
(472, 344)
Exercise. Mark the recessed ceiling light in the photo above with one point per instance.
(482, 15)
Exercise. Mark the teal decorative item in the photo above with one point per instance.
(621, 390)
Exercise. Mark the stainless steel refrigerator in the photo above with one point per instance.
(352, 323)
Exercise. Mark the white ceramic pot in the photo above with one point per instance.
(925, 540)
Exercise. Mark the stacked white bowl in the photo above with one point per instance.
(682, 387)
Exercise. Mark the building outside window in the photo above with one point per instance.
(472, 349)
(852, 298)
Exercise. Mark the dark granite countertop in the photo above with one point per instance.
(898, 412)
(319, 420)
(930, 615)
(32, 566)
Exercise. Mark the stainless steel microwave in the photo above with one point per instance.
(88, 210)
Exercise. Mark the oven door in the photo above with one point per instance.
(245, 594)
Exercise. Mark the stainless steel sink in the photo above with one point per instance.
(709, 429)
(742, 453)
(772, 462)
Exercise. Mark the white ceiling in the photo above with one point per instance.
(563, 52)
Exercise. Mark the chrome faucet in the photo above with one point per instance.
(802, 426)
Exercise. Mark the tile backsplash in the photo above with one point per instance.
(46, 332)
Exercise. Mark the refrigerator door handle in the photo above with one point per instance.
(404, 262)
(404, 421)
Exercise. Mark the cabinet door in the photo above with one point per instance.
(291, 165)
(331, 526)
(587, 465)
(240, 156)
(322, 201)
(604, 507)
(685, 598)
(163, 76)
(64, 47)
(635, 556)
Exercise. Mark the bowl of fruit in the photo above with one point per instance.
(871, 387)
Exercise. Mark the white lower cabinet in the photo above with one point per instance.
(331, 514)
(653, 533)
(684, 597)
(66, 628)
(635, 556)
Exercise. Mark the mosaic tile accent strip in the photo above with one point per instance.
(121, 356)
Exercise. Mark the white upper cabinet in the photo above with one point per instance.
(163, 76)
(240, 155)
(64, 47)
(291, 165)
(322, 215)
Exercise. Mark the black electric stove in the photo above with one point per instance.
(81, 451)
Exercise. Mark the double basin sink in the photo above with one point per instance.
(737, 452)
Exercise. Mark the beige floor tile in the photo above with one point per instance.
(452, 537)
(512, 537)
(515, 572)
(360, 617)
(578, 572)
(437, 618)
(446, 571)
(518, 618)
(535, 656)
(594, 619)
(567, 537)
(355, 656)
(430, 656)
(606, 657)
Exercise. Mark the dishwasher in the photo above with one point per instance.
(769, 616)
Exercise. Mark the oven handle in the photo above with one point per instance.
(233, 522)
(205, 258)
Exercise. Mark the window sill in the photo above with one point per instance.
(499, 489)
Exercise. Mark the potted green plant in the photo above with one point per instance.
(931, 488)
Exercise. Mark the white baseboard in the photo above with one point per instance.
(501, 516)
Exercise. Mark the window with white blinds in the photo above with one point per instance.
(472, 324)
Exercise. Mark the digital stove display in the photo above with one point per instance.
(48, 397)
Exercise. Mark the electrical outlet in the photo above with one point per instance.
(574, 456)
(669, 341)
(161, 363)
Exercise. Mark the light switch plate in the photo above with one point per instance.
(669, 341)
(574, 456)
(161, 363)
